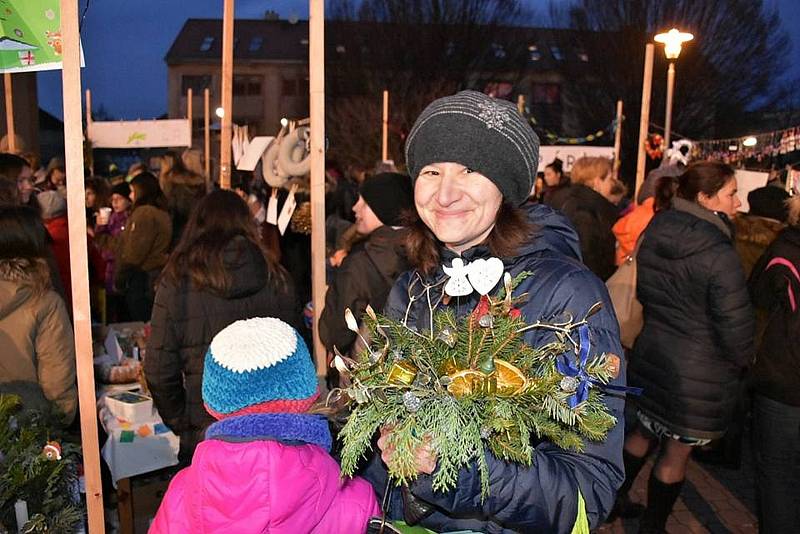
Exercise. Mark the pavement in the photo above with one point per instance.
(714, 499)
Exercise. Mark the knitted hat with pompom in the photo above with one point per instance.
(259, 365)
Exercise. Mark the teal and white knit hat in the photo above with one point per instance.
(259, 365)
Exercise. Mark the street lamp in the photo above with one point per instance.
(672, 40)
(220, 112)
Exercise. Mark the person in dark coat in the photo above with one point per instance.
(587, 203)
(371, 267)
(697, 336)
(775, 288)
(473, 159)
(219, 273)
(554, 180)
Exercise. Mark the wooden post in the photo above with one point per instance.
(668, 110)
(316, 65)
(385, 127)
(11, 134)
(521, 104)
(644, 120)
(618, 140)
(207, 138)
(79, 264)
(89, 126)
(189, 116)
(227, 96)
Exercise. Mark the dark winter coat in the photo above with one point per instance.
(775, 288)
(366, 276)
(543, 497)
(184, 322)
(698, 322)
(593, 217)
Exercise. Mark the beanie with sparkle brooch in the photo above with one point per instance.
(259, 365)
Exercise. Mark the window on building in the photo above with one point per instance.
(533, 53)
(255, 44)
(205, 46)
(304, 42)
(340, 49)
(498, 50)
(244, 85)
(558, 55)
(582, 55)
(195, 83)
(289, 87)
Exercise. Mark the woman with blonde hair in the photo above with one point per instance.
(589, 206)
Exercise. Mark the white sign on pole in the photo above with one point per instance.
(140, 134)
(747, 181)
(570, 153)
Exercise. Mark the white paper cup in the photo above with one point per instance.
(103, 215)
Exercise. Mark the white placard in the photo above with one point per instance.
(140, 134)
(253, 152)
(287, 211)
(112, 346)
(747, 181)
(569, 154)
(272, 207)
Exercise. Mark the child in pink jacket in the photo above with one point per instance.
(265, 464)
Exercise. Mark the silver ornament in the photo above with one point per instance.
(486, 432)
(485, 321)
(447, 336)
(411, 401)
(569, 384)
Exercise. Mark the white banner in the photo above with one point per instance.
(747, 181)
(569, 153)
(140, 134)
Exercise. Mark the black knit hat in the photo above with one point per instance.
(485, 134)
(122, 189)
(388, 195)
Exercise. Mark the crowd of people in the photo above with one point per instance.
(223, 291)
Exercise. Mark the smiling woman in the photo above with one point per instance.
(473, 160)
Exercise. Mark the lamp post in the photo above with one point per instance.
(672, 40)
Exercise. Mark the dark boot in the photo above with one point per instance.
(623, 506)
(661, 498)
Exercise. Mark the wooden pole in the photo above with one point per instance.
(11, 134)
(316, 65)
(79, 264)
(227, 96)
(207, 136)
(618, 140)
(89, 127)
(385, 128)
(668, 110)
(644, 120)
(189, 116)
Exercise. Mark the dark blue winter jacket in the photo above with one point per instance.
(545, 496)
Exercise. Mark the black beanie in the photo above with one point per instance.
(122, 189)
(483, 133)
(388, 195)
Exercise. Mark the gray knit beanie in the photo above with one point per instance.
(480, 132)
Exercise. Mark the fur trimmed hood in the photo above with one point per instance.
(20, 280)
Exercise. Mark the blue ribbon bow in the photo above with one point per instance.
(567, 367)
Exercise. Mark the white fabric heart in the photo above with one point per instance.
(480, 275)
(485, 274)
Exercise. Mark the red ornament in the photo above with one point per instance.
(515, 313)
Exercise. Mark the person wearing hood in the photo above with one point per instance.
(697, 337)
(218, 273)
(370, 269)
(53, 209)
(473, 160)
(38, 354)
(775, 289)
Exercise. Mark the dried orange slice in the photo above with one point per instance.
(465, 382)
(510, 380)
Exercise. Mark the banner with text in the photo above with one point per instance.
(569, 153)
(140, 134)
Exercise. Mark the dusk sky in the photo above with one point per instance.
(125, 43)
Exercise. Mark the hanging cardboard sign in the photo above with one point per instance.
(272, 207)
(287, 211)
(30, 35)
(140, 134)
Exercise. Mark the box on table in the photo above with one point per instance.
(133, 407)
